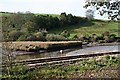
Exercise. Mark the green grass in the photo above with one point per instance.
(81, 67)
(4, 14)
(65, 71)
(98, 28)
(53, 15)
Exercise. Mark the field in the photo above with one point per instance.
(53, 15)
(5, 14)
(98, 28)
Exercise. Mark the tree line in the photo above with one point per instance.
(25, 26)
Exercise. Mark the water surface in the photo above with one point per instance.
(68, 52)
(95, 49)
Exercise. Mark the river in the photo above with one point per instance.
(95, 49)
(67, 52)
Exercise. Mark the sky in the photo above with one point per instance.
(74, 7)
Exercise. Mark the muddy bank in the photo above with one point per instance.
(33, 46)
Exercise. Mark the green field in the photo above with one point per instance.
(53, 15)
(4, 14)
(41, 14)
(97, 28)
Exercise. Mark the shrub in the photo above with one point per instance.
(65, 34)
(106, 33)
(40, 36)
(18, 72)
(53, 37)
(112, 37)
(101, 41)
(31, 38)
(27, 37)
(94, 38)
(14, 35)
(118, 40)
(22, 38)
(100, 38)
(75, 36)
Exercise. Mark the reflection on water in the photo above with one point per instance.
(32, 55)
(96, 49)
(68, 52)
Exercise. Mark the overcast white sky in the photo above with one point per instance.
(74, 7)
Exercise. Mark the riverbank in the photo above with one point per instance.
(33, 46)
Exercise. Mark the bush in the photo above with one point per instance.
(65, 34)
(40, 36)
(101, 41)
(75, 36)
(100, 38)
(118, 40)
(22, 38)
(14, 35)
(106, 33)
(94, 38)
(27, 37)
(18, 72)
(112, 37)
(53, 37)
(31, 38)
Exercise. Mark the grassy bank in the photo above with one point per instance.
(97, 67)
(80, 69)
(98, 28)
(37, 45)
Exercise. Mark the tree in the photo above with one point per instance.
(90, 13)
(29, 26)
(53, 37)
(109, 7)
(70, 18)
(63, 19)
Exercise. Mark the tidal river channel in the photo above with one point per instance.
(67, 52)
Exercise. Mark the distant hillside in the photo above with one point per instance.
(98, 28)
(53, 26)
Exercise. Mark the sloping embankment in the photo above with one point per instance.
(37, 45)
